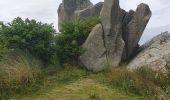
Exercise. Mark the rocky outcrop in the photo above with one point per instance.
(121, 33)
(115, 39)
(154, 54)
(75, 9)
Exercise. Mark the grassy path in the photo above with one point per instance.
(82, 89)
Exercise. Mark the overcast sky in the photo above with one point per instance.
(46, 11)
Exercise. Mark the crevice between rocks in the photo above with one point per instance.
(103, 37)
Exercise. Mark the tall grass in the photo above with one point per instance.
(143, 81)
(17, 68)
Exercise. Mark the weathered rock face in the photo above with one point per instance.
(155, 54)
(67, 9)
(135, 23)
(75, 9)
(70, 6)
(111, 20)
(90, 11)
(94, 57)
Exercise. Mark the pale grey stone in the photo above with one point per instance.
(154, 54)
(66, 10)
(134, 27)
(94, 57)
(91, 11)
(111, 20)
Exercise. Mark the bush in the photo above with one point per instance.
(73, 35)
(29, 35)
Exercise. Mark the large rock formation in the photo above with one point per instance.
(115, 38)
(154, 54)
(75, 9)
(95, 56)
(121, 33)
(134, 25)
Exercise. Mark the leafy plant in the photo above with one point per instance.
(29, 35)
(73, 35)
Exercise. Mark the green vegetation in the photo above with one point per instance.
(39, 39)
(143, 82)
(77, 84)
(16, 69)
(73, 35)
(31, 50)
(30, 36)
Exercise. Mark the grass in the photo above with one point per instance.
(16, 69)
(82, 89)
(51, 80)
(75, 83)
(143, 82)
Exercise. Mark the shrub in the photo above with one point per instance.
(73, 35)
(29, 35)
